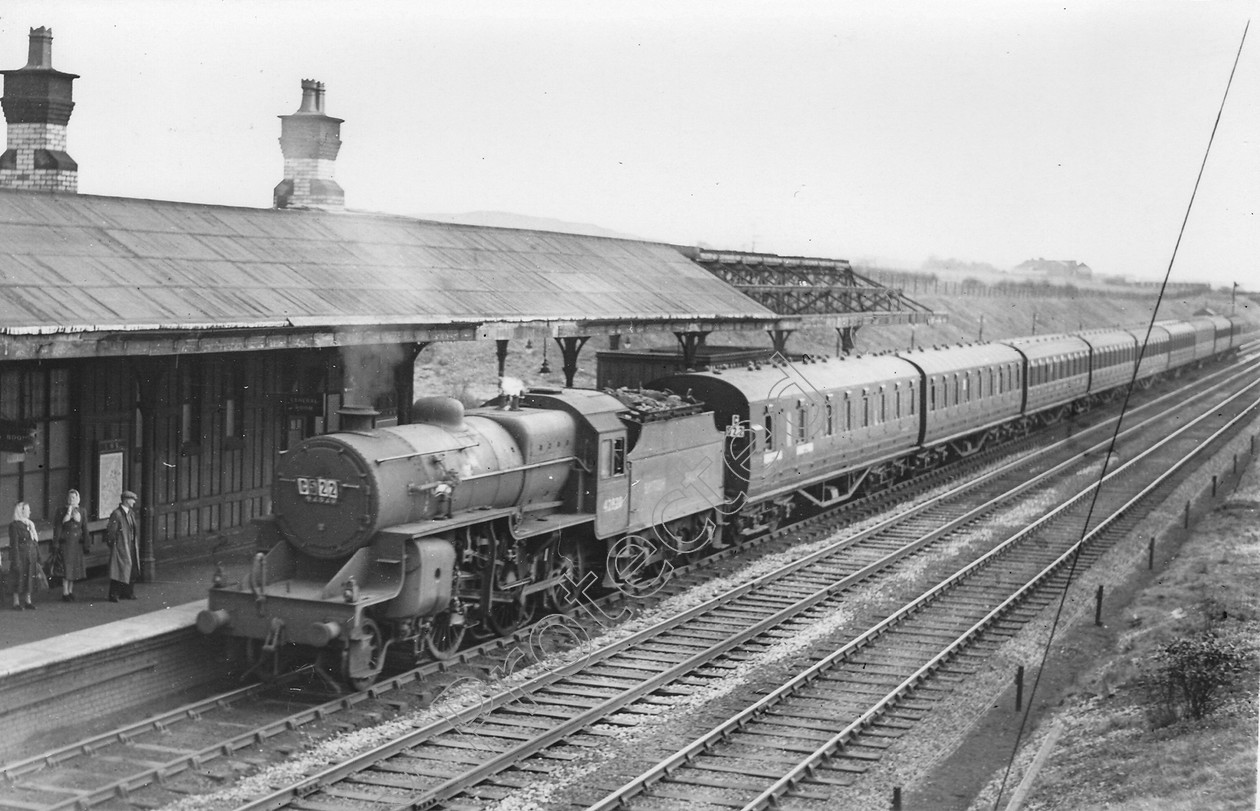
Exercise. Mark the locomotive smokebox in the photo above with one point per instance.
(358, 418)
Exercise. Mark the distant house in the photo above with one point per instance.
(1061, 269)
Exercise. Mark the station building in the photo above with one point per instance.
(177, 349)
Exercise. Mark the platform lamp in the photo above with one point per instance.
(546, 367)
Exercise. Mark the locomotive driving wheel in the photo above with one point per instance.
(441, 638)
(568, 558)
(502, 618)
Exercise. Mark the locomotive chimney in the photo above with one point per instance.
(37, 103)
(310, 140)
(358, 418)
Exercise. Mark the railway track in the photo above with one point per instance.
(505, 729)
(838, 715)
(484, 752)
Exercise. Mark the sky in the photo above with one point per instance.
(988, 132)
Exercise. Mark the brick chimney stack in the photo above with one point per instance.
(310, 140)
(37, 103)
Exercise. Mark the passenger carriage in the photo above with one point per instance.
(1182, 340)
(823, 427)
(1154, 352)
(1112, 359)
(1057, 372)
(967, 391)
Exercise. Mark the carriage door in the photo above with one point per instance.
(612, 503)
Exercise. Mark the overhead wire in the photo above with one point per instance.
(1054, 626)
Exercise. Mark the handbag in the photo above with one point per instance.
(54, 569)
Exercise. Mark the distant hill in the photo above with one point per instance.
(506, 219)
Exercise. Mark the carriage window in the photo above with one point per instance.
(831, 419)
(910, 400)
(866, 411)
(883, 405)
(965, 384)
(932, 395)
(769, 432)
(897, 401)
(800, 424)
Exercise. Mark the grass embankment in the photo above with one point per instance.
(1115, 750)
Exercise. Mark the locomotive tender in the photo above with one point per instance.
(407, 537)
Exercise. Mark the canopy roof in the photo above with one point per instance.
(85, 264)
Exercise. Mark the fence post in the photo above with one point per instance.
(1213, 485)
(1098, 598)
(1019, 688)
(896, 806)
(1150, 554)
(1186, 522)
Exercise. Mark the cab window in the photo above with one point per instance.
(614, 457)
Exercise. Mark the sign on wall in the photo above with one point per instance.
(109, 482)
(304, 404)
(17, 436)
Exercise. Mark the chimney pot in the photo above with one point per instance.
(37, 102)
(310, 103)
(309, 141)
(40, 54)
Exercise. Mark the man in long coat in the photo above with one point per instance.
(123, 536)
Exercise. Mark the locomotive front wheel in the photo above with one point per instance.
(441, 639)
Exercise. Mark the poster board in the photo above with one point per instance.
(109, 482)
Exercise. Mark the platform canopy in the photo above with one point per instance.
(83, 275)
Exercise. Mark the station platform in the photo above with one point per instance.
(74, 668)
(171, 600)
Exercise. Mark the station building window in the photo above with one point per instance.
(190, 401)
(35, 400)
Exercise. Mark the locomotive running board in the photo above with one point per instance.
(522, 526)
(437, 526)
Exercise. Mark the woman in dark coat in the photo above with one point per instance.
(70, 541)
(24, 573)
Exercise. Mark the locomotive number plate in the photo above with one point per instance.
(318, 491)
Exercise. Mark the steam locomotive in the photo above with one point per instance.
(407, 538)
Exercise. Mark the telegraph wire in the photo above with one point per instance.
(1045, 653)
